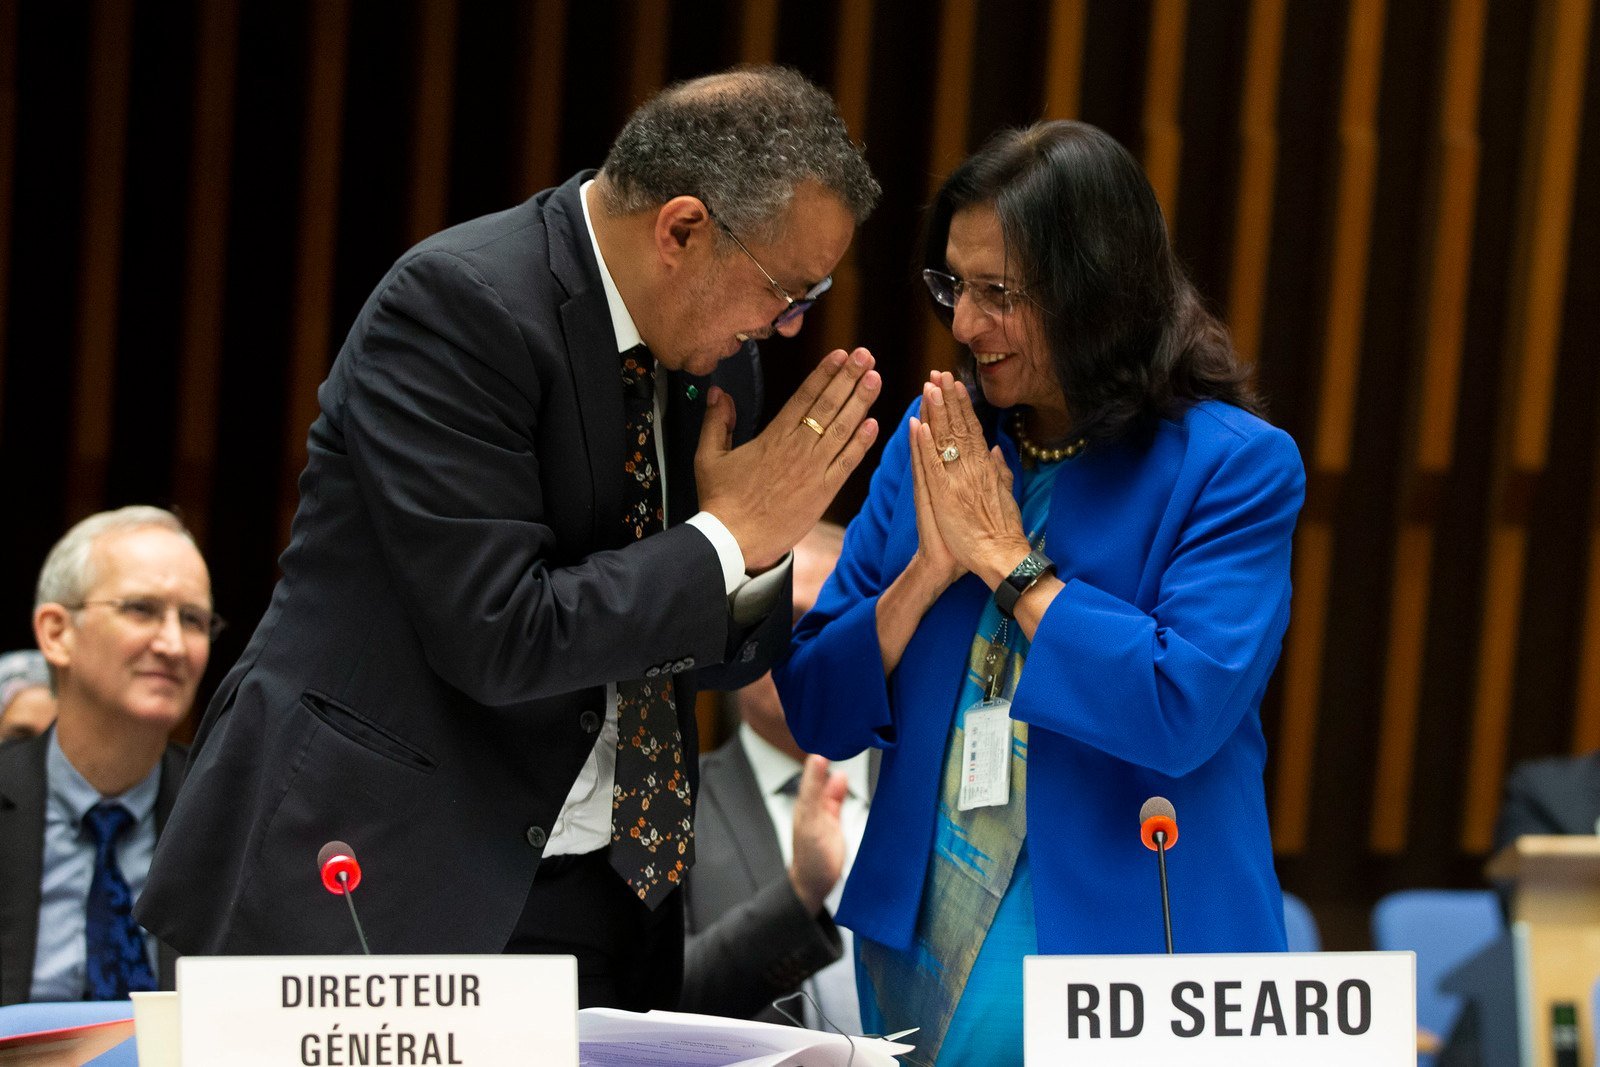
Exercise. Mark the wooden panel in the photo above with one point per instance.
(205, 271)
(1448, 271)
(952, 103)
(648, 50)
(853, 64)
(105, 161)
(1063, 78)
(1335, 419)
(1538, 287)
(758, 31)
(546, 32)
(319, 209)
(1163, 101)
(8, 141)
(1258, 163)
(430, 139)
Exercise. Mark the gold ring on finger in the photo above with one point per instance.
(950, 453)
(813, 424)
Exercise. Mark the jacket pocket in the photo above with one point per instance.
(366, 733)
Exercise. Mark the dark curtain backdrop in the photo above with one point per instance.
(1391, 203)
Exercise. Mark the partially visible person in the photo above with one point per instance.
(1557, 795)
(27, 707)
(124, 620)
(1072, 573)
(775, 831)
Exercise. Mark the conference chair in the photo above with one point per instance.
(28, 1018)
(1300, 925)
(1444, 927)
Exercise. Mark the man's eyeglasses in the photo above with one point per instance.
(797, 305)
(150, 612)
(992, 297)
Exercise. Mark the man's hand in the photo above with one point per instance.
(818, 833)
(771, 490)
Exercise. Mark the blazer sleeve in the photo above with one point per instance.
(1165, 688)
(755, 953)
(835, 648)
(439, 409)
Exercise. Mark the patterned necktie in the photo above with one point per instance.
(652, 835)
(117, 961)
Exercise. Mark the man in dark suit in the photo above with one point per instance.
(123, 617)
(479, 667)
(776, 832)
(1558, 795)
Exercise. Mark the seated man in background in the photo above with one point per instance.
(26, 706)
(1556, 795)
(775, 832)
(123, 617)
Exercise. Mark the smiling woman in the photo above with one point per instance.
(1074, 567)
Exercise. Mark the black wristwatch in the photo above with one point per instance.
(1035, 566)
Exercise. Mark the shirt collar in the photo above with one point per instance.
(621, 322)
(774, 767)
(72, 795)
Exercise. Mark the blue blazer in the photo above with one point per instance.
(1145, 678)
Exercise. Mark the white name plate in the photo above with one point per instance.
(378, 1011)
(1269, 1008)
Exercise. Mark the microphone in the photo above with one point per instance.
(340, 875)
(1158, 828)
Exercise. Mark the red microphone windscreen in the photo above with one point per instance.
(1157, 815)
(336, 858)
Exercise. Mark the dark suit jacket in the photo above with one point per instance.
(459, 587)
(750, 939)
(1560, 795)
(22, 804)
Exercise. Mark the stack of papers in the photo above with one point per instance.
(608, 1037)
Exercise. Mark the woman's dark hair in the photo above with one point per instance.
(1129, 336)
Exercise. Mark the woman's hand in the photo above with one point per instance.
(933, 567)
(969, 496)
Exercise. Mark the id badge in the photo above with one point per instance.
(986, 755)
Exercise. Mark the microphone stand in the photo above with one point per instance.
(1160, 837)
(344, 881)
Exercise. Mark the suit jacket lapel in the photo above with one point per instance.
(747, 815)
(680, 429)
(22, 800)
(173, 765)
(592, 355)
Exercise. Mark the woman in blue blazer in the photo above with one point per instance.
(1065, 594)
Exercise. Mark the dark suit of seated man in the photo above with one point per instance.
(775, 842)
(1556, 795)
(536, 518)
(123, 617)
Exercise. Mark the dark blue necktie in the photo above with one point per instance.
(117, 961)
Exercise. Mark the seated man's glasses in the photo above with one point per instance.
(150, 612)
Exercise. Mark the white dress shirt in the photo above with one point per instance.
(584, 824)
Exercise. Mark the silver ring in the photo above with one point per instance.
(950, 453)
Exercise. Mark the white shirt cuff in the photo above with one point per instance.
(758, 597)
(729, 554)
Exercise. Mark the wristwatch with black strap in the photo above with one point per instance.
(1033, 567)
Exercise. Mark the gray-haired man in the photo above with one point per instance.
(524, 542)
(123, 618)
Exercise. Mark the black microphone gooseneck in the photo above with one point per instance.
(1166, 904)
